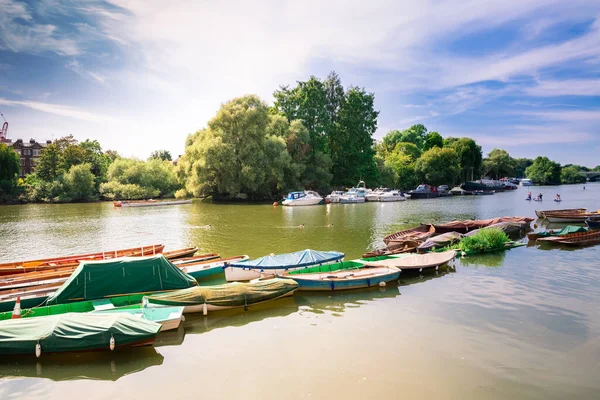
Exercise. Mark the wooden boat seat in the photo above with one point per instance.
(102, 304)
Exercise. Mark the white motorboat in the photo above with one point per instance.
(334, 197)
(306, 198)
(356, 195)
(393, 195)
(374, 195)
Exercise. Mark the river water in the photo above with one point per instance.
(524, 324)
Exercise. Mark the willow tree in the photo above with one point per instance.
(438, 166)
(241, 154)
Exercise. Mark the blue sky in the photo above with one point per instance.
(140, 75)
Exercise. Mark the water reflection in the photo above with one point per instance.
(93, 365)
(486, 260)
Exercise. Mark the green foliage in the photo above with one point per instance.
(469, 154)
(48, 167)
(521, 165)
(543, 171)
(130, 178)
(9, 169)
(37, 189)
(438, 166)
(79, 182)
(402, 168)
(416, 135)
(433, 139)
(499, 164)
(571, 174)
(485, 240)
(163, 155)
(409, 149)
(247, 153)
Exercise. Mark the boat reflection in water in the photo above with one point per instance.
(93, 365)
(484, 260)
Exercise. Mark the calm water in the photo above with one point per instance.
(524, 324)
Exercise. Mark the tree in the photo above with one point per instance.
(48, 167)
(544, 171)
(499, 164)
(358, 122)
(164, 155)
(438, 166)
(409, 149)
(433, 139)
(111, 154)
(403, 170)
(9, 168)
(240, 154)
(571, 174)
(130, 178)
(79, 182)
(469, 155)
(521, 165)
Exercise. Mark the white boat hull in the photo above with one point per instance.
(373, 197)
(391, 198)
(302, 202)
(236, 274)
(567, 219)
(352, 200)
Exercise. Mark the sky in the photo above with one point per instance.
(523, 75)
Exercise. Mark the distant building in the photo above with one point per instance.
(29, 153)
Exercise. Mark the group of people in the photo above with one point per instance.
(540, 197)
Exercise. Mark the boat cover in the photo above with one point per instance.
(440, 241)
(73, 332)
(564, 231)
(127, 275)
(236, 294)
(506, 227)
(416, 261)
(291, 260)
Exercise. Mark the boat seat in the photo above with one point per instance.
(102, 304)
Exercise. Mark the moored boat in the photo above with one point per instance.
(223, 297)
(566, 231)
(277, 264)
(416, 261)
(418, 233)
(406, 246)
(74, 260)
(305, 198)
(150, 203)
(334, 197)
(374, 195)
(424, 191)
(469, 225)
(169, 317)
(343, 275)
(393, 195)
(542, 213)
(576, 239)
(570, 217)
(74, 332)
(210, 269)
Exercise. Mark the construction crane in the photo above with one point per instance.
(4, 131)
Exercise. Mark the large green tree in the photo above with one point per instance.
(79, 182)
(521, 165)
(438, 166)
(499, 164)
(544, 171)
(130, 178)
(239, 154)
(469, 155)
(164, 155)
(433, 139)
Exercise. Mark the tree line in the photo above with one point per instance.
(317, 135)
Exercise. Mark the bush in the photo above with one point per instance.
(485, 240)
(127, 191)
(79, 182)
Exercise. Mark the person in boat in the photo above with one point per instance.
(557, 197)
(528, 195)
(540, 196)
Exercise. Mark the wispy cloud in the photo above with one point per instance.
(57, 109)
(76, 67)
(570, 87)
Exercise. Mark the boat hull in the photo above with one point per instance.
(342, 284)
(301, 202)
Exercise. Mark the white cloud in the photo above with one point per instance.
(57, 109)
(76, 67)
(569, 87)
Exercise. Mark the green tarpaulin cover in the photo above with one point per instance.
(97, 279)
(236, 294)
(564, 231)
(73, 332)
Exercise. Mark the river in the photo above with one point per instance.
(524, 324)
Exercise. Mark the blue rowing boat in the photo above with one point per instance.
(593, 223)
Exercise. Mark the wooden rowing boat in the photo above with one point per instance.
(570, 217)
(41, 278)
(418, 233)
(470, 225)
(542, 213)
(182, 253)
(577, 239)
(69, 261)
(565, 232)
(407, 246)
(150, 203)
